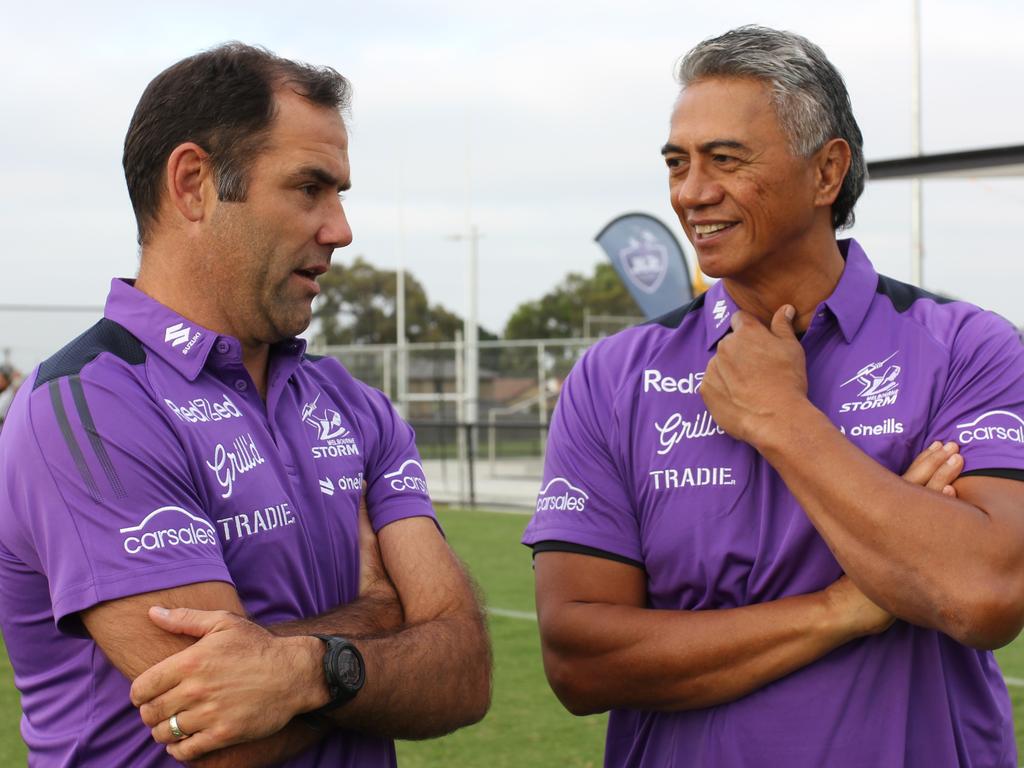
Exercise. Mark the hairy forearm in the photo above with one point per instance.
(930, 559)
(424, 680)
(601, 656)
(374, 613)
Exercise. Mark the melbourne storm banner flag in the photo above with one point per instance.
(650, 262)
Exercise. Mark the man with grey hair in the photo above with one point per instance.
(727, 555)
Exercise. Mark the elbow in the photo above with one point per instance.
(573, 686)
(987, 619)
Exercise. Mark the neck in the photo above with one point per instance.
(807, 276)
(173, 277)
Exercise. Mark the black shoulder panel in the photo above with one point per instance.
(675, 317)
(312, 358)
(902, 295)
(105, 336)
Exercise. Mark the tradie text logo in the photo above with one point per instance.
(335, 436)
(879, 386)
(560, 494)
(227, 464)
(675, 429)
(178, 334)
(720, 312)
(408, 477)
(168, 527)
(992, 425)
(685, 385)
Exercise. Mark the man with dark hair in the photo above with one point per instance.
(726, 554)
(189, 501)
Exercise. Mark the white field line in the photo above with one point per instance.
(509, 614)
(527, 616)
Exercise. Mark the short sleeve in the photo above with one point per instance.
(982, 406)
(396, 485)
(583, 497)
(100, 498)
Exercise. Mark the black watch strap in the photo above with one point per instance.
(344, 673)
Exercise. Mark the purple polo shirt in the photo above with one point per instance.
(637, 470)
(141, 457)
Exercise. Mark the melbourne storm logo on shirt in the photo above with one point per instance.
(168, 527)
(334, 437)
(992, 425)
(879, 385)
(559, 494)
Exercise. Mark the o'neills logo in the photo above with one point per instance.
(227, 464)
(560, 494)
(887, 427)
(408, 477)
(168, 527)
(992, 425)
(203, 411)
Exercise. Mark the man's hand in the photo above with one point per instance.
(211, 684)
(757, 373)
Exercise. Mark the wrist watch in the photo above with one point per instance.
(344, 670)
(344, 673)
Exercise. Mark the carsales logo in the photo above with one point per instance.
(168, 527)
(559, 494)
(992, 425)
(408, 477)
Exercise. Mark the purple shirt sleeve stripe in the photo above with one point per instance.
(70, 441)
(95, 440)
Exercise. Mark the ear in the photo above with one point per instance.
(189, 181)
(832, 162)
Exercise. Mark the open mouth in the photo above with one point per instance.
(707, 231)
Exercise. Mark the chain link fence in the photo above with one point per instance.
(497, 459)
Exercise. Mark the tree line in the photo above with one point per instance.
(357, 306)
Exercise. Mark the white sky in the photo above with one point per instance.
(540, 120)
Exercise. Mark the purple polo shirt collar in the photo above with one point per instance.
(182, 343)
(848, 303)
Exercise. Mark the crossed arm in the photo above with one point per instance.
(603, 648)
(238, 690)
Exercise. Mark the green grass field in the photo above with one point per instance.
(526, 724)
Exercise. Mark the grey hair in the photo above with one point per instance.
(808, 92)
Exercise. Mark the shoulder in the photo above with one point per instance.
(615, 361)
(957, 326)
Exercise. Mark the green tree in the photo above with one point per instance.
(558, 314)
(357, 306)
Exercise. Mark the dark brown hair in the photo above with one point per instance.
(223, 100)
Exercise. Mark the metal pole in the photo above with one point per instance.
(916, 202)
(471, 332)
(460, 415)
(542, 396)
(402, 362)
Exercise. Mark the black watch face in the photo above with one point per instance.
(349, 669)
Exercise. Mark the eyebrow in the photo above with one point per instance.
(707, 147)
(321, 176)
